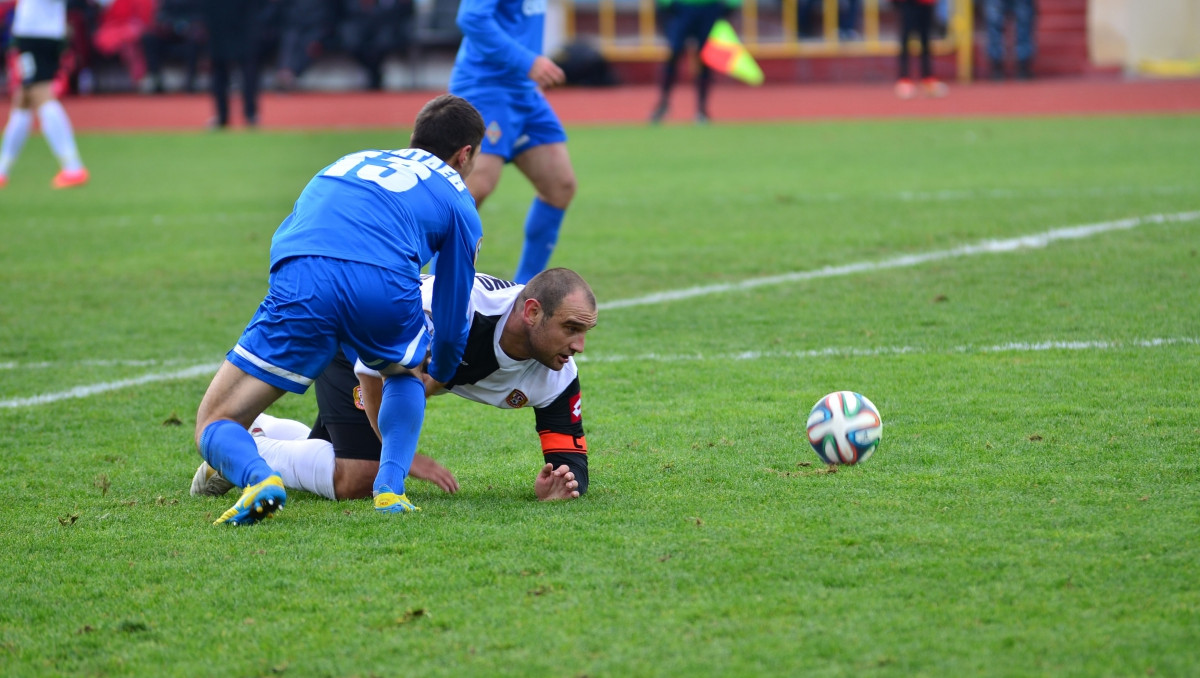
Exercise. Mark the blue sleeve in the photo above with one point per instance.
(452, 293)
(477, 21)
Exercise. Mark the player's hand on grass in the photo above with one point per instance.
(556, 483)
(426, 468)
(546, 73)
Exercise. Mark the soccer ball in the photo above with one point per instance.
(844, 428)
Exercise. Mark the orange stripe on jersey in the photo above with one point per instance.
(562, 442)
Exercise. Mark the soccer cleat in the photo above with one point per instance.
(208, 482)
(390, 502)
(70, 178)
(660, 112)
(934, 88)
(3, 180)
(258, 501)
(905, 88)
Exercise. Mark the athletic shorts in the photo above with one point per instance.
(35, 60)
(341, 418)
(313, 304)
(514, 122)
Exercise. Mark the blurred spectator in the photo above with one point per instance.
(995, 17)
(178, 31)
(303, 37)
(372, 29)
(39, 29)
(6, 14)
(688, 22)
(916, 18)
(847, 21)
(76, 62)
(233, 30)
(122, 25)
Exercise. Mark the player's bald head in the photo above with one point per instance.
(553, 285)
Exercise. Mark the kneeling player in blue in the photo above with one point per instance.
(519, 352)
(345, 271)
(499, 68)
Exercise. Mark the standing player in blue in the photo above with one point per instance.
(499, 69)
(346, 270)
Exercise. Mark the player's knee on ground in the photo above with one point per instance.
(354, 478)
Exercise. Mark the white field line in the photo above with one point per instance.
(1035, 241)
(850, 352)
(984, 247)
(93, 389)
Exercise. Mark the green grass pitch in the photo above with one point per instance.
(1033, 509)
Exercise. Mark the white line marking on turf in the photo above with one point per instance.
(982, 247)
(990, 246)
(851, 352)
(94, 363)
(93, 389)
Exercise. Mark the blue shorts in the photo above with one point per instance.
(313, 304)
(514, 122)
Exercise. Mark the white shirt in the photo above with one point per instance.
(40, 19)
(487, 374)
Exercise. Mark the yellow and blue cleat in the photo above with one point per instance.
(390, 502)
(258, 501)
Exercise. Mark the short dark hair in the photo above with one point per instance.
(446, 124)
(553, 285)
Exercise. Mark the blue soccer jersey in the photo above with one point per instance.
(394, 210)
(501, 39)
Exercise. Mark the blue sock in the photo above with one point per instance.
(401, 413)
(541, 234)
(230, 449)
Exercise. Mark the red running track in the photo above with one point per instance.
(624, 105)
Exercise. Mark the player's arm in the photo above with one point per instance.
(477, 21)
(560, 428)
(451, 306)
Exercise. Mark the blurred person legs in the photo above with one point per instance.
(233, 43)
(687, 23)
(995, 14)
(178, 30)
(371, 30)
(34, 63)
(306, 26)
(849, 12)
(916, 18)
(548, 167)
(848, 16)
(122, 25)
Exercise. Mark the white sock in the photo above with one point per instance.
(57, 128)
(302, 464)
(280, 429)
(20, 120)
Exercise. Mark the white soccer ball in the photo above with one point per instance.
(844, 428)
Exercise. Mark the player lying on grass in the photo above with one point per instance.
(519, 352)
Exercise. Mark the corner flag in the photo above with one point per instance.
(724, 52)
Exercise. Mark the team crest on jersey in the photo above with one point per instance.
(576, 408)
(493, 132)
(516, 399)
(358, 401)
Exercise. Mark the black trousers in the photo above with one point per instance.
(916, 17)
